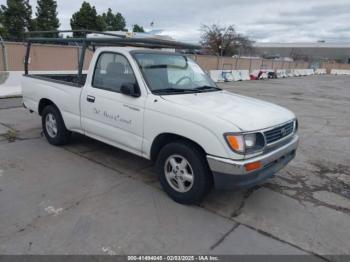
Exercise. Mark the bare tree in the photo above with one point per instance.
(298, 55)
(224, 41)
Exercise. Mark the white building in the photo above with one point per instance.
(319, 51)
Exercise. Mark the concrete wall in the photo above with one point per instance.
(230, 63)
(58, 57)
(330, 66)
(43, 57)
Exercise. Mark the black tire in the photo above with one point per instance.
(62, 136)
(202, 182)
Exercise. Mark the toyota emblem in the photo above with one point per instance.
(283, 131)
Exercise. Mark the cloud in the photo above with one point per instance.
(322, 10)
(274, 20)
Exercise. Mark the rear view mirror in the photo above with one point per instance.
(130, 89)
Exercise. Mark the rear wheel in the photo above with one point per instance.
(184, 173)
(54, 128)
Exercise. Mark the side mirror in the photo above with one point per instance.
(130, 89)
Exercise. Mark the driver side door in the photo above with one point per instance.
(106, 113)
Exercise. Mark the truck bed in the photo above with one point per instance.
(67, 79)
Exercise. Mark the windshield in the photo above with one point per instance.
(172, 73)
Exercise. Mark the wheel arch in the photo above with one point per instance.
(165, 138)
(44, 102)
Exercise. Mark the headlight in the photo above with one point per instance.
(250, 140)
(245, 143)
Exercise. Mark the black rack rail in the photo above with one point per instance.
(109, 39)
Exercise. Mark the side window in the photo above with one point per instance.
(112, 71)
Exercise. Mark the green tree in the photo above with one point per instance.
(46, 16)
(2, 28)
(114, 22)
(138, 28)
(16, 18)
(87, 18)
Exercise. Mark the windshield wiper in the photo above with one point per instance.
(203, 88)
(173, 90)
(186, 90)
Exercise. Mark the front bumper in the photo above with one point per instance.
(230, 173)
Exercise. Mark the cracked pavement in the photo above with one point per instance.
(91, 198)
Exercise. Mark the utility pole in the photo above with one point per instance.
(250, 62)
(4, 53)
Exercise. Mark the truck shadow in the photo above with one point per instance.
(126, 164)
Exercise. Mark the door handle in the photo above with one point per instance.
(90, 99)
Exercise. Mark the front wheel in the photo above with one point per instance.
(184, 173)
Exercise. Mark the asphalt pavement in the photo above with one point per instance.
(91, 198)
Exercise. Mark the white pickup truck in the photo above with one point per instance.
(162, 106)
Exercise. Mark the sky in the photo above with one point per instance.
(261, 20)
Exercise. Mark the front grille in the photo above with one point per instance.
(278, 133)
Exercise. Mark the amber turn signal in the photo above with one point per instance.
(252, 166)
(236, 142)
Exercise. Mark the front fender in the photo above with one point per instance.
(210, 139)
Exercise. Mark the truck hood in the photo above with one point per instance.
(246, 113)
